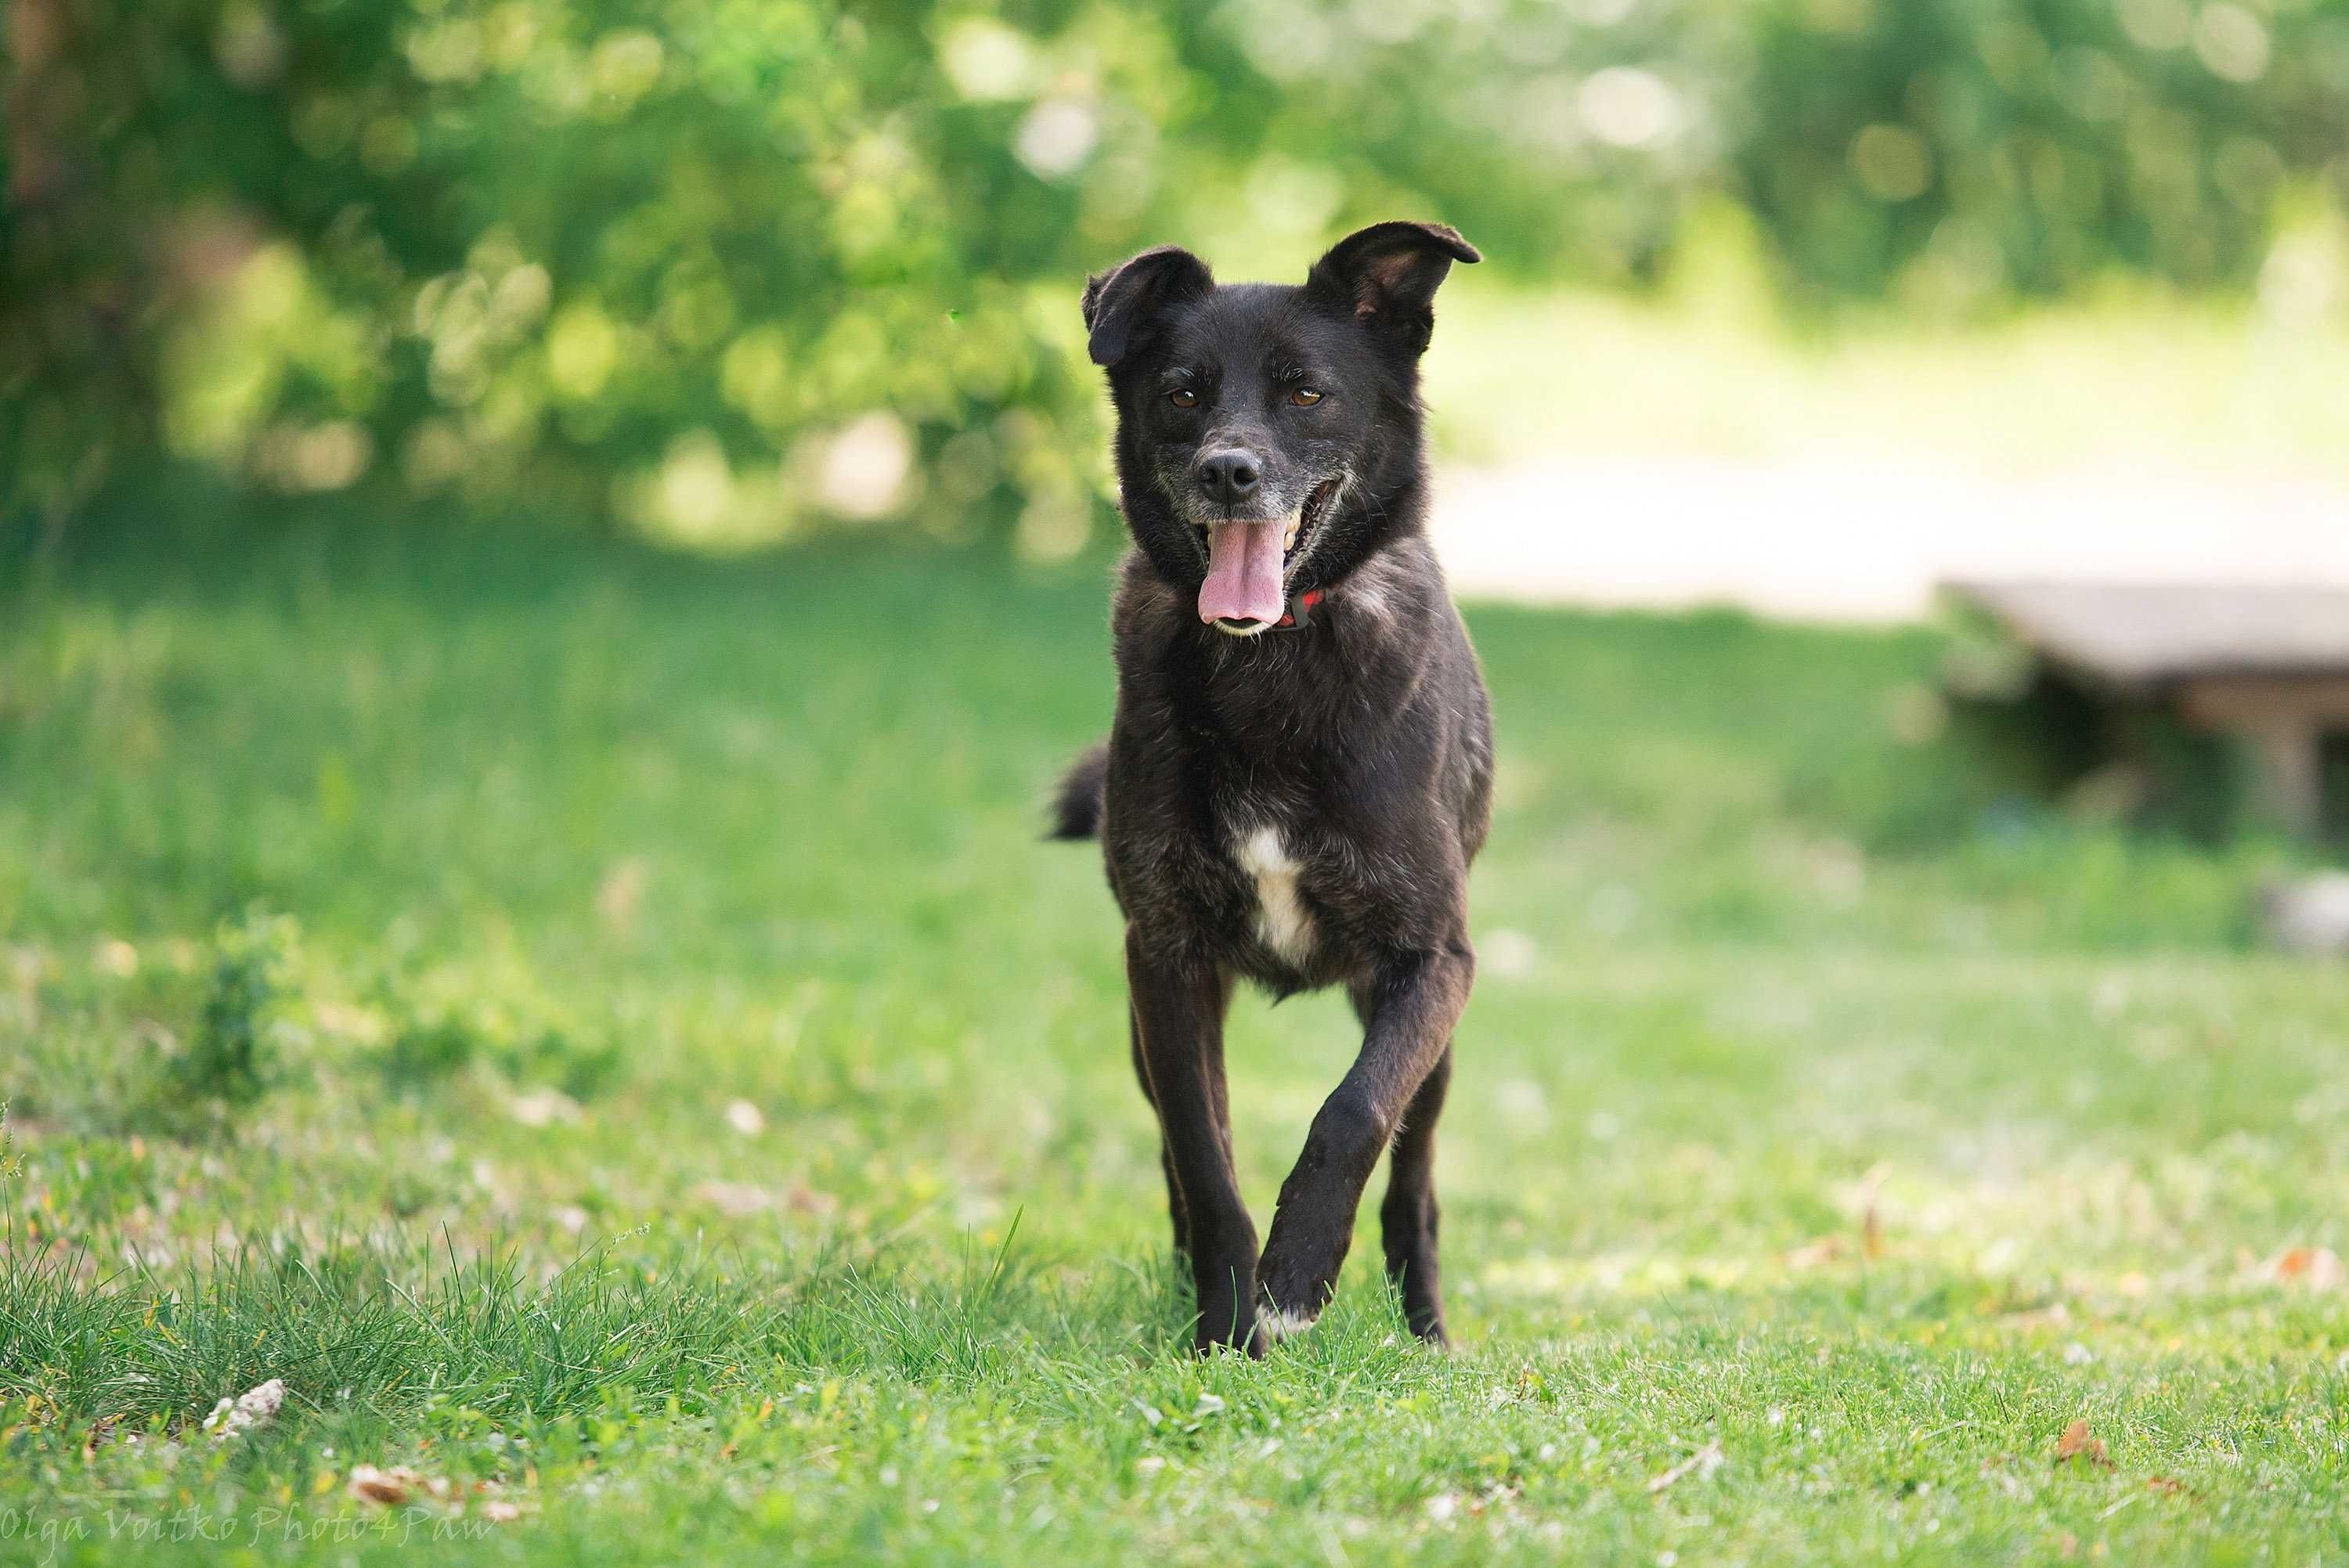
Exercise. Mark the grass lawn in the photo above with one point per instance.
(602, 1029)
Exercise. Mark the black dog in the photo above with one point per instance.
(1300, 768)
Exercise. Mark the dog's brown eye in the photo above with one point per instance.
(1305, 397)
(1184, 398)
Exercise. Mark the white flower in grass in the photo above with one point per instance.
(254, 1408)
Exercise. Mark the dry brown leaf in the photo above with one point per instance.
(2168, 1486)
(1871, 1224)
(2318, 1268)
(1825, 1249)
(1699, 1464)
(386, 1488)
(805, 1200)
(2078, 1442)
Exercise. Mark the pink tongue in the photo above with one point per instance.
(1243, 572)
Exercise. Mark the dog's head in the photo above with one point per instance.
(1269, 435)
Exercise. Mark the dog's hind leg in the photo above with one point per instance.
(1413, 1006)
(1178, 1017)
(1407, 1220)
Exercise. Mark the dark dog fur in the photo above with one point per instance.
(1298, 806)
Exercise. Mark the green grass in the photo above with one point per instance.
(391, 923)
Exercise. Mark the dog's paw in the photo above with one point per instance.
(1290, 1291)
(1289, 1302)
(1248, 1340)
(1283, 1323)
(1252, 1350)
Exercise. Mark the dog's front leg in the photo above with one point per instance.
(1178, 1018)
(1415, 1004)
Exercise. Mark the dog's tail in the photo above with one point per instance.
(1077, 807)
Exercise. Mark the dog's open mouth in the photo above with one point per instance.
(1247, 566)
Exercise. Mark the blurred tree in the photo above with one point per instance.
(1975, 151)
(722, 269)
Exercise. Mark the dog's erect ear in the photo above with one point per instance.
(1121, 302)
(1387, 275)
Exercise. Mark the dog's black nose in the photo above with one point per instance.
(1229, 476)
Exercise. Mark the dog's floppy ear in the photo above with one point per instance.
(1119, 303)
(1387, 275)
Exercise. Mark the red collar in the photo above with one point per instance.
(1300, 610)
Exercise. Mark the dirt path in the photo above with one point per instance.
(1843, 540)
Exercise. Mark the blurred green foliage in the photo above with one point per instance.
(724, 270)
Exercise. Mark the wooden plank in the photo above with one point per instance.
(2138, 635)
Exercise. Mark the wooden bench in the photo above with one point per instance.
(2268, 666)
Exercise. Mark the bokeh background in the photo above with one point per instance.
(551, 550)
(730, 274)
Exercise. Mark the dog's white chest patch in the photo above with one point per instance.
(1280, 918)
